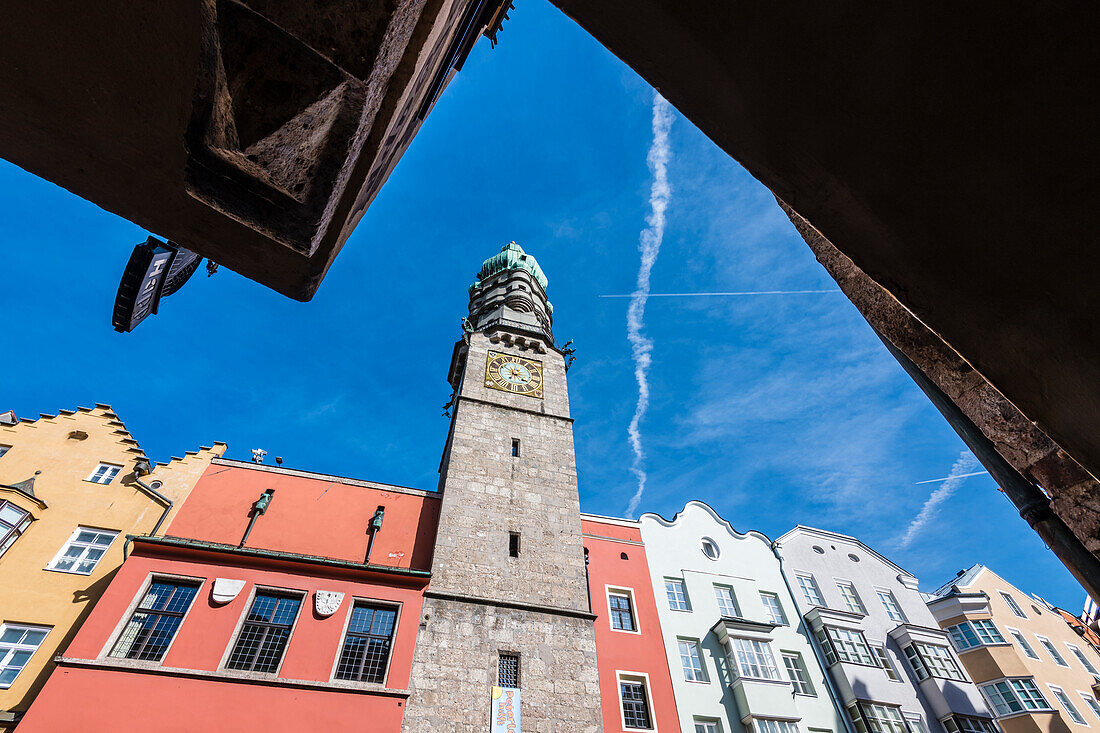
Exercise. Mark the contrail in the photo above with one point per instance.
(745, 292)
(948, 478)
(649, 245)
(965, 462)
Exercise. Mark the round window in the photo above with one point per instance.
(709, 548)
(853, 558)
(819, 550)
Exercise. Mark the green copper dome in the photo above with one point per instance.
(511, 257)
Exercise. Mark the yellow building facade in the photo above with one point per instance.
(70, 493)
(1036, 673)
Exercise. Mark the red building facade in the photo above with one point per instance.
(291, 631)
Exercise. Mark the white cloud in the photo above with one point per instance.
(963, 467)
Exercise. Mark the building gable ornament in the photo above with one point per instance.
(225, 589)
(325, 602)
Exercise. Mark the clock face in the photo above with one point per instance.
(514, 374)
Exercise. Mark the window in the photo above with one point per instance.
(851, 598)
(622, 613)
(691, 661)
(916, 725)
(513, 544)
(796, 672)
(771, 725)
(1066, 703)
(104, 473)
(1052, 651)
(884, 662)
(850, 646)
(4, 449)
(367, 643)
(635, 704)
(1089, 666)
(515, 447)
(709, 548)
(893, 610)
(965, 724)
(727, 604)
(1015, 696)
(623, 556)
(155, 620)
(677, 596)
(1019, 639)
(13, 522)
(753, 659)
(1012, 604)
(809, 590)
(707, 726)
(935, 660)
(83, 551)
(17, 645)
(508, 670)
(1091, 702)
(774, 609)
(916, 663)
(970, 634)
(264, 635)
(871, 717)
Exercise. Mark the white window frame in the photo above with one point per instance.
(1012, 604)
(683, 591)
(814, 588)
(610, 590)
(854, 604)
(914, 722)
(781, 619)
(694, 654)
(85, 547)
(777, 725)
(890, 604)
(704, 543)
(887, 664)
(718, 588)
(708, 725)
(635, 678)
(840, 639)
(761, 657)
(1067, 704)
(798, 674)
(938, 661)
(1023, 643)
(8, 650)
(10, 537)
(1089, 666)
(103, 470)
(1011, 682)
(1091, 703)
(1052, 651)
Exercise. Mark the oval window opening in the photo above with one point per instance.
(709, 548)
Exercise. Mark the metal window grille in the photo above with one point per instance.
(508, 670)
(367, 644)
(635, 705)
(17, 645)
(155, 621)
(796, 671)
(622, 616)
(775, 610)
(13, 521)
(262, 640)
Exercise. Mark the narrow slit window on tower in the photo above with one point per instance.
(513, 544)
(508, 670)
(515, 447)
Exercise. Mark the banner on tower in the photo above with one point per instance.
(505, 710)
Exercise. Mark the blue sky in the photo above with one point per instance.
(775, 410)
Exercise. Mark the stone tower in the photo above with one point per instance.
(508, 576)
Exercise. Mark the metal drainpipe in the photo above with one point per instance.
(1029, 499)
(587, 581)
(834, 694)
(168, 503)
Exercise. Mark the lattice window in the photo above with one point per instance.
(367, 644)
(508, 670)
(622, 615)
(263, 638)
(635, 705)
(155, 621)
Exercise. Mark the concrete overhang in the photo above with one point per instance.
(955, 605)
(819, 616)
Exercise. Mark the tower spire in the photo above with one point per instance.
(510, 290)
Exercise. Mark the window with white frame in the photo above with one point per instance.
(1091, 702)
(873, 717)
(774, 608)
(916, 663)
(1018, 695)
(915, 723)
(1089, 666)
(932, 660)
(13, 522)
(691, 660)
(850, 646)
(83, 551)
(752, 658)
(893, 610)
(155, 620)
(884, 662)
(104, 473)
(727, 602)
(18, 644)
(1019, 638)
(621, 608)
(851, 597)
(1052, 651)
(709, 548)
(635, 702)
(1066, 703)
(797, 674)
(707, 726)
(774, 725)
(1012, 604)
(970, 634)
(677, 595)
(809, 589)
(966, 724)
